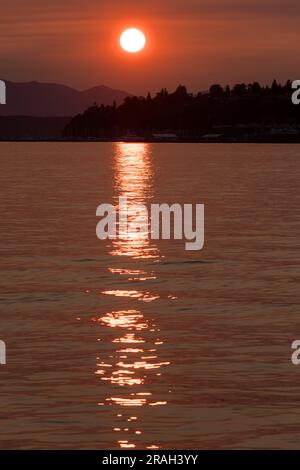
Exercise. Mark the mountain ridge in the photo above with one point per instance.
(39, 99)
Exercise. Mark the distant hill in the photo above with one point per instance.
(51, 99)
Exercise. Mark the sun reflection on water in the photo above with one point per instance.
(133, 179)
(131, 361)
(132, 369)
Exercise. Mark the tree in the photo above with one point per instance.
(181, 91)
(216, 91)
(275, 87)
(254, 87)
(240, 89)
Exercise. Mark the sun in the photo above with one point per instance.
(132, 40)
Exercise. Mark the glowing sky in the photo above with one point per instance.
(195, 42)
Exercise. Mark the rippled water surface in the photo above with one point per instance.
(134, 343)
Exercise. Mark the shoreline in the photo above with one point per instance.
(152, 141)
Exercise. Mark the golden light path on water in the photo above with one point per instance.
(133, 179)
(135, 364)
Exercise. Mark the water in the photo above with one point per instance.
(137, 343)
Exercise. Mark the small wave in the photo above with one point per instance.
(188, 262)
(85, 260)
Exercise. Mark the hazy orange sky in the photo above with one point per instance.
(194, 42)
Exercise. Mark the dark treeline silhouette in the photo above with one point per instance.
(190, 115)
